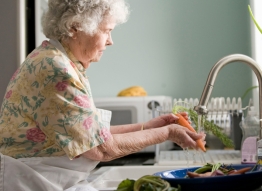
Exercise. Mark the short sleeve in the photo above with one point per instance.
(48, 109)
(68, 113)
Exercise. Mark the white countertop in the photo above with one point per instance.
(108, 178)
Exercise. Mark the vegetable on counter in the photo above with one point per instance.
(218, 169)
(182, 121)
(146, 183)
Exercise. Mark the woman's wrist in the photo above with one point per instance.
(170, 131)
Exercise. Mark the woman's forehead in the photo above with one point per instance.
(108, 22)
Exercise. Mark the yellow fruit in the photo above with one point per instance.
(133, 91)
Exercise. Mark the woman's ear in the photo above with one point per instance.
(73, 31)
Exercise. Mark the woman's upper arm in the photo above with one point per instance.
(67, 114)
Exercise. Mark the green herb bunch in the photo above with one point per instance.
(213, 167)
(209, 126)
(146, 183)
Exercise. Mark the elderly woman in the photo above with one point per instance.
(52, 134)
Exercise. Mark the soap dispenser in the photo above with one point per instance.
(250, 124)
(250, 131)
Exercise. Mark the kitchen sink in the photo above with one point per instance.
(108, 178)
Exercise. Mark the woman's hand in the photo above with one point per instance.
(164, 120)
(184, 137)
(122, 144)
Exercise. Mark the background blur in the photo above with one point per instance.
(168, 47)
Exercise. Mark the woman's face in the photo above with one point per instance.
(87, 48)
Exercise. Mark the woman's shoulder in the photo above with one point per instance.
(47, 56)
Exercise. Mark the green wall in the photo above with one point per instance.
(169, 46)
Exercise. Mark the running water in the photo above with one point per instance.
(198, 155)
(187, 157)
(200, 130)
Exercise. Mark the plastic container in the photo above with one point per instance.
(250, 124)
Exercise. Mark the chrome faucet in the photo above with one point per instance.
(201, 108)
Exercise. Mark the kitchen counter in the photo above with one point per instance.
(108, 178)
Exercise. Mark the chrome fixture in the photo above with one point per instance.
(201, 108)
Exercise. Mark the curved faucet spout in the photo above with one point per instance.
(201, 108)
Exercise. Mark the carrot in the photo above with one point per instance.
(196, 175)
(183, 122)
(240, 171)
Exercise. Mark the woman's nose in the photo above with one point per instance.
(109, 40)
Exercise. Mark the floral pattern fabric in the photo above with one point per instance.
(48, 109)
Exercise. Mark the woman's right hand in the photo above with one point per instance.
(184, 137)
(164, 120)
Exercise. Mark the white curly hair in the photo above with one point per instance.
(84, 15)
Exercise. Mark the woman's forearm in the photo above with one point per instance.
(119, 129)
(123, 144)
(119, 145)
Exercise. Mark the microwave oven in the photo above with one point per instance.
(137, 109)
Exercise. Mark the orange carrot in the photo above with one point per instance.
(240, 171)
(183, 122)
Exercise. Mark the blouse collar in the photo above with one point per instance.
(69, 54)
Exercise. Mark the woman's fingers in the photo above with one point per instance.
(185, 115)
(204, 135)
(186, 138)
(173, 119)
(169, 119)
(196, 137)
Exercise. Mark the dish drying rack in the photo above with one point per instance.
(219, 109)
(227, 113)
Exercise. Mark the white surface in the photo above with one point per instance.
(108, 178)
(256, 43)
(197, 158)
(40, 7)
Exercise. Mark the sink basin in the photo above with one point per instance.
(108, 178)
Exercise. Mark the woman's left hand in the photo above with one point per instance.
(164, 120)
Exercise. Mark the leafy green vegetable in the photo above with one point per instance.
(146, 183)
(209, 126)
(203, 169)
(213, 167)
(253, 18)
(126, 185)
(247, 91)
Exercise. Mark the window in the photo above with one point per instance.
(256, 39)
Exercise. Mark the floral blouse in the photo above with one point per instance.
(48, 109)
